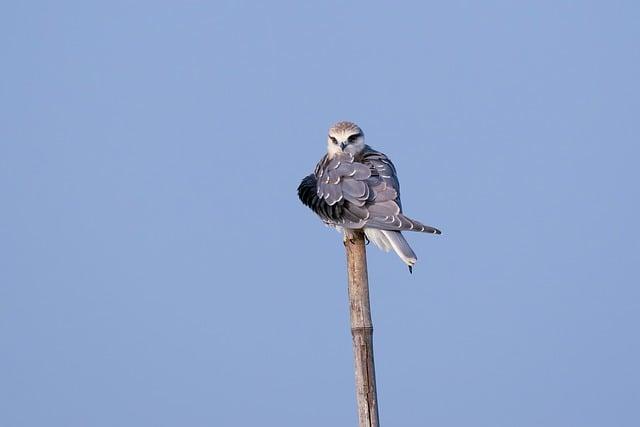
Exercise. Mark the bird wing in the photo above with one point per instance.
(355, 193)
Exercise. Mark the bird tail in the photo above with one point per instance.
(387, 239)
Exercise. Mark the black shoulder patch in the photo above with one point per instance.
(307, 192)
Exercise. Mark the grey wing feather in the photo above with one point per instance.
(368, 191)
(340, 176)
(385, 207)
(381, 192)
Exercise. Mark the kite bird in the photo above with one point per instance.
(355, 187)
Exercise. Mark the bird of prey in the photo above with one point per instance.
(355, 187)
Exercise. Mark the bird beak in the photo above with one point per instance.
(342, 145)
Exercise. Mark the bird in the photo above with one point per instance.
(355, 187)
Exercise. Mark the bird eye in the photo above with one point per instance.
(335, 141)
(354, 137)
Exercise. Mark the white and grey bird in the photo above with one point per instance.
(355, 187)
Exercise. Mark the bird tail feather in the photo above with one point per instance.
(387, 239)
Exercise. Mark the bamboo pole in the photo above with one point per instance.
(362, 331)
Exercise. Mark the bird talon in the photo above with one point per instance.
(366, 240)
(410, 269)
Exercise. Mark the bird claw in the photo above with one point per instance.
(410, 269)
(366, 240)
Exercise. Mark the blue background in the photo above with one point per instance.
(157, 269)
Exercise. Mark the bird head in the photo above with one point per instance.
(345, 137)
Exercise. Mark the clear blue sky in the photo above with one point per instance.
(157, 269)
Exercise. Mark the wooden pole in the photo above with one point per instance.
(362, 331)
